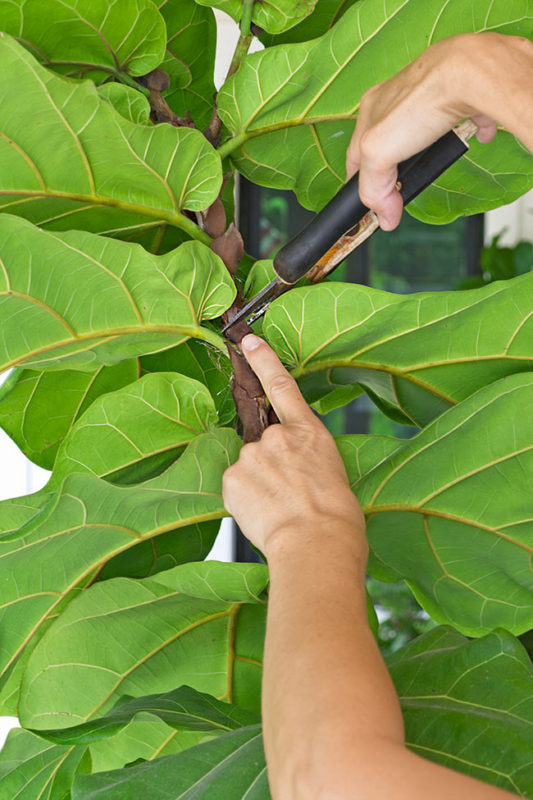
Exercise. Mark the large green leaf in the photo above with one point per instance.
(416, 355)
(183, 708)
(190, 58)
(33, 769)
(231, 766)
(469, 705)
(16, 511)
(145, 738)
(204, 363)
(191, 543)
(126, 637)
(90, 521)
(134, 433)
(90, 38)
(326, 13)
(113, 300)
(38, 409)
(84, 165)
(130, 103)
(273, 17)
(128, 436)
(291, 109)
(450, 509)
(11, 687)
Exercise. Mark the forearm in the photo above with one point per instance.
(332, 724)
(327, 694)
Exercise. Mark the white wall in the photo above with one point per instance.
(516, 218)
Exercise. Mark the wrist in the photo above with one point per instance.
(319, 539)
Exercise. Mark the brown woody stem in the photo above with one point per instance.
(246, 389)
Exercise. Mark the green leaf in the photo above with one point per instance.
(17, 511)
(203, 363)
(442, 679)
(273, 17)
(103, 172)
(231, 766)
(416, 355)
(291, 110)
(90, 521)
(324, 16)
(88, 37)
(126, 637)
(486, 177)
(146, 737)
(260, 275)
(130, 103)
(337, 396)
(190, 58)
(38, 409)
(192, 543)
(449, 510)
(127, 436)
(131, 435)
(136, 432)
(469, 705)
(183, 708)
(33, 769)
(57, 317)
(363, 452)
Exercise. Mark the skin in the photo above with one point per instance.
(486, 77)
(331, 715)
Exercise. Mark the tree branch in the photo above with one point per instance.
(246, 389)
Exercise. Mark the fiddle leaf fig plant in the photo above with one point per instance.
(134, 664)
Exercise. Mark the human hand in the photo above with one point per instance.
(292, 484)
(469, 75)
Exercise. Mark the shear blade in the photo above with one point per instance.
(258, 304)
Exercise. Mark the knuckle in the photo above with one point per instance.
(273, 434)
(368, 96)
(281, 384)
(367, 144)
(248, 452)
(228, 477)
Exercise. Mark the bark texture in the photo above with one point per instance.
(246, 389)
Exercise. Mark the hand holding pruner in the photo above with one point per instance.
(344, 223)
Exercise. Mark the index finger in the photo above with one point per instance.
(280, 387)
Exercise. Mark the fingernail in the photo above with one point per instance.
(250, 342)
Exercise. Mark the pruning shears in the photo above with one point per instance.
(344, 223)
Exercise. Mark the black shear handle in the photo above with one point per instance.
(346, 209)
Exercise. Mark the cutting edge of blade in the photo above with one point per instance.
(265, 296)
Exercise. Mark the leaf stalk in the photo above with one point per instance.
(245, 38)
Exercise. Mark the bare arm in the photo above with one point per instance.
(485, 76)
(332, 723)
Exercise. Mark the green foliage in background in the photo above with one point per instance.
(499, 263)
(133, 664)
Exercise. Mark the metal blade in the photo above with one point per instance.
(259, 304)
